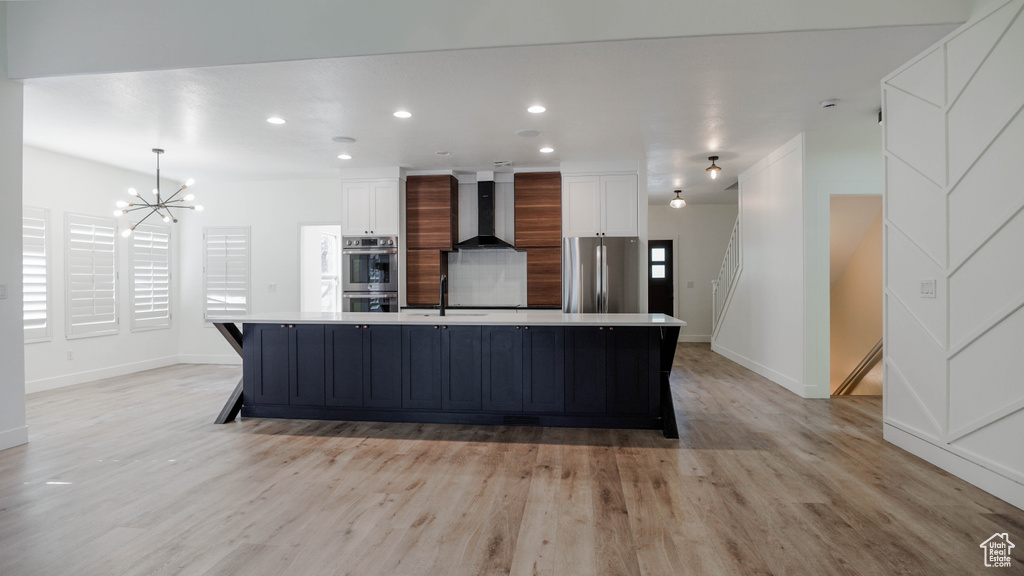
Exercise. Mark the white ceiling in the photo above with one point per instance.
(669, 102)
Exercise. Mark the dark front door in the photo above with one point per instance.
(660, 290)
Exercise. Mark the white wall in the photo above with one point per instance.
(700, 233)
(954, 212)
(13, 430)
(64, 184)
(274, 212)
(72, 37)
(762, 327)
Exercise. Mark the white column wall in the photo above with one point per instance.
(274, 212)
(762, 327)
(63, 184)
(701, 234)
(13, 430)
(954, 212)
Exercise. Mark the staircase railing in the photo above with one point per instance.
(873, 357)
(731, 265)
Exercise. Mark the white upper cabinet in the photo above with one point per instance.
(370, 207)
(599, 205)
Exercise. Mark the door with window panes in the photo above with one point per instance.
(660, 289)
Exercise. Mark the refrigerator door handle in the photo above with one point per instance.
(602, 278)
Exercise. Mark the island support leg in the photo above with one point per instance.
(669, 339)
(234, 404)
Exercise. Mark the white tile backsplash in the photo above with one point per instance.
(487, 278)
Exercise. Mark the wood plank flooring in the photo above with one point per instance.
(129, 476)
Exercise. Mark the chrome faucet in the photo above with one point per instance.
(444, 291)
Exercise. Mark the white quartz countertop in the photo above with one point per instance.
(470, 317)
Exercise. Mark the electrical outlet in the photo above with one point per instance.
(689, 284)
(271, 287)
(71, 355)
(928, 288)
(3, 291)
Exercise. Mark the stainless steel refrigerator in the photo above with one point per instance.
(600, 274)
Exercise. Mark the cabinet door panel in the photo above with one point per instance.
(384, 208)
(619, 205)
(628, 375)
(502, 356)
(421, 367)
(544, 277)
(538, 209)
(581, 210)
(423, 276)
(382, 367)
(585, 378)
(273, 368)
(345, 366)
(460, 371)
(307, 384)
(356, 208)
(431, 212)
(543, 369)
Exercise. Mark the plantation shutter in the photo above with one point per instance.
(151, 277)
(35, 271)
(91, 275)
(227, 271)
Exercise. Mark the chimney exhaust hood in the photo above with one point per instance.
(485, 238)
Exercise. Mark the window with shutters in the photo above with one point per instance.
(151, 277)
(226, 271)
(35, 257)
(90, 275)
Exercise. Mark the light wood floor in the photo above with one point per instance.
(761, 482)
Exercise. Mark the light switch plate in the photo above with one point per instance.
(689, 284)
(928, 288)
(3, 291)
(271, 287)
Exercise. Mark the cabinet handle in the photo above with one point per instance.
(600, 327)
(597, 233)
(612, 328)
(283, 326)
(435, 327)
(444, 327)
(357, 326)
(527, 327)
(365, 326)
(517, 327)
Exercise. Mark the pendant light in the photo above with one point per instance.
(677, 202)
(713, 170)
(162, 206)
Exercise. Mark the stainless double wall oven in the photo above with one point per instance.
(369, 274)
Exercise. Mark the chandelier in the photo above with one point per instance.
(162, 207)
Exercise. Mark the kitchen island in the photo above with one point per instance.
(535, 368)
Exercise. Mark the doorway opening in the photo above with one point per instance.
(855, 295)
(320, 267)
(660, 285)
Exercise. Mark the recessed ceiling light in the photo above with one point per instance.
(443, 153)
(403, 114)
(275, 120)
(536, 109)
(547, 150)
(344, 140)
(344, 156)
(527, 133)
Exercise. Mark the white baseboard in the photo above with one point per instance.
(781, 379)
(210, 359)
(13, 437)
(989, 481)
(88, 376)
(695, 338)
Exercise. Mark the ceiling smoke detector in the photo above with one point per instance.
(344, 140)
(830, 103)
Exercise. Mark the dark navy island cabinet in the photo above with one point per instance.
(592, 376)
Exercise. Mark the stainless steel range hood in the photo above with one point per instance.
(485, 238)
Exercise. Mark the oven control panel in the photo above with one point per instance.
(372, 242)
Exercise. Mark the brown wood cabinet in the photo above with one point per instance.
(539, 233)
(423, 276)
(538, 201)
(544, 277)
(431, 212)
